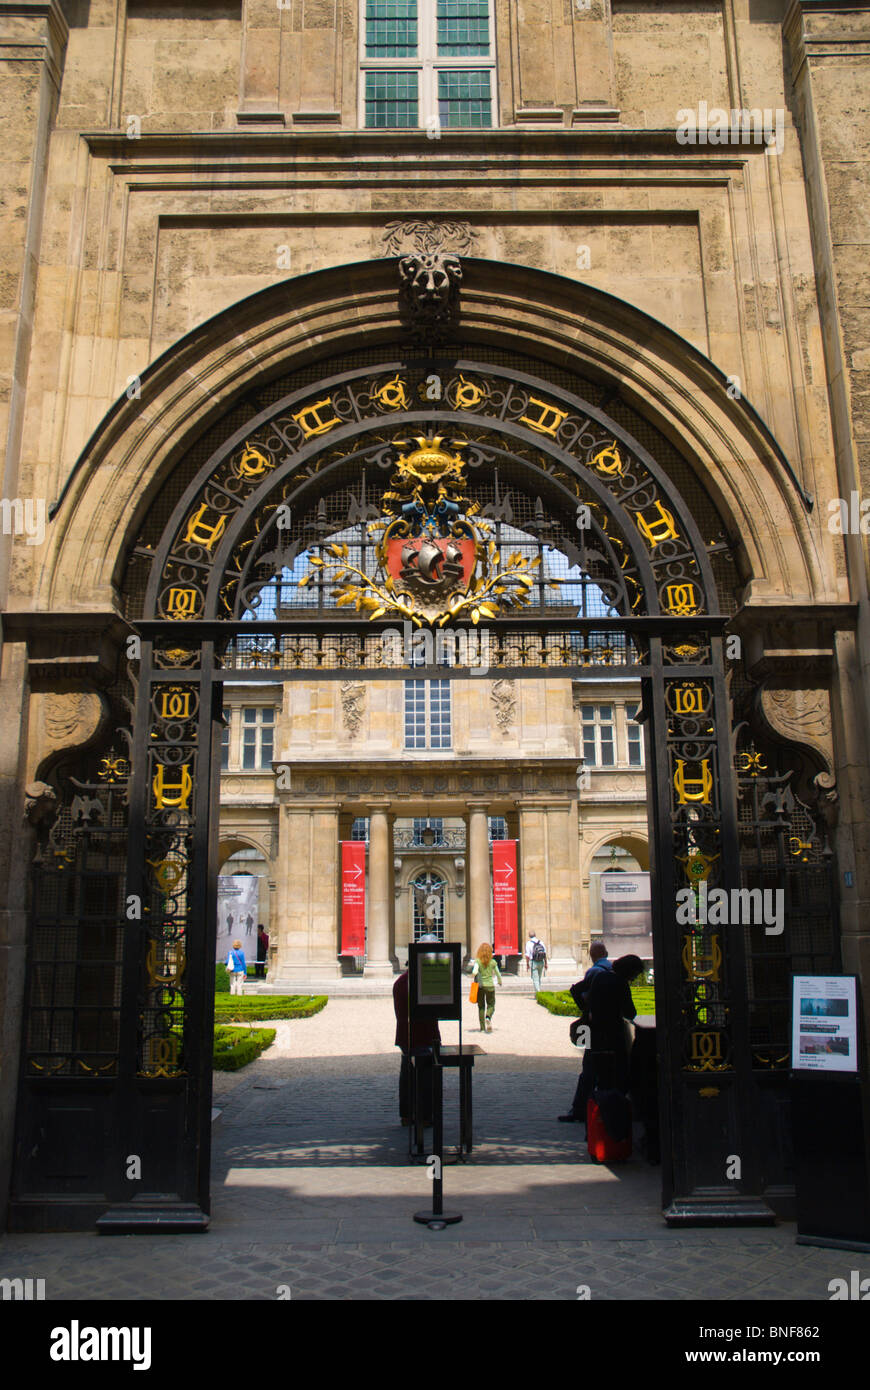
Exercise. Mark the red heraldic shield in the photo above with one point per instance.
(353, 898)
(438, 562)
(504, 897)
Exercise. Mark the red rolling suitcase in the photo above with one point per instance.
(603, 1149)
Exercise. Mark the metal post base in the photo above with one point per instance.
(435, 1220)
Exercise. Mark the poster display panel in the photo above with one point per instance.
(353, 898)
(504, 898)
(238, 905)
(434, 980)
(824, 1023)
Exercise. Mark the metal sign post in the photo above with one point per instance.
(434, 984)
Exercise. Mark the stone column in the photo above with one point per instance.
(479, 879)
(308, 875)
(378, 962)
(550, 880)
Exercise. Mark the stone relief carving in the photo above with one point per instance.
(40, 803)
(63, 720)
(353, 697)
(503, 696)
(801, 715)
(70, 717)
(429, 297)
(430, 273)
(427, 236)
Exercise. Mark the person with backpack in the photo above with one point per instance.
(536, 960)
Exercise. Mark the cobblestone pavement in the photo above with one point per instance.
(313, 1190)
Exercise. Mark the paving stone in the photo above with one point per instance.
(312, 1187)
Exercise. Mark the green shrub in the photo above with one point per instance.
(560, 1001)
(557, 1002)
(236, 1047)
(244, 1008)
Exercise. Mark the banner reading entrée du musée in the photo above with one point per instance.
(504, 897)
(353, 898)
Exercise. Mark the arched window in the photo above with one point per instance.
(427, 891)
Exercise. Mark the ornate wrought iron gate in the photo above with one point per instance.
(527, 513)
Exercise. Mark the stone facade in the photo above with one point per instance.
(191, 208)
(523, 770)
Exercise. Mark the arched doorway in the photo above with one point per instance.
(575, 550)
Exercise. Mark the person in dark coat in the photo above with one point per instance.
(605, 1061)
(262, 951)
(598, 954)
(424, 1033)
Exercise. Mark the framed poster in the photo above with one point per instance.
(824, 1023)
(238, 899)
(434, 980)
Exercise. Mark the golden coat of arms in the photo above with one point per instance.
(433, 562)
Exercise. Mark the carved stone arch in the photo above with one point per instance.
(785, 551)
(676, 652)
(241, 840)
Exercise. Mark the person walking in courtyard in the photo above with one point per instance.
(536, 960)
(237, 967)
(485, 971)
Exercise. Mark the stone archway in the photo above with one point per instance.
(213, 526)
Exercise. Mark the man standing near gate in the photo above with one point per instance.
(536, 960)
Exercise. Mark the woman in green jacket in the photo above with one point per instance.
(486, 972)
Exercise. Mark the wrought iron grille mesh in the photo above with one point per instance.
(783, 847)
(73, 992)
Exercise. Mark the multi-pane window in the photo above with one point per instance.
(497, 828)
(360, 829)
(634, 736)
(427, 63)
(427, 714)
(391, 100)
(598, 735)
(464, 99)
(391, 29)
(463, 28)
(258, 737)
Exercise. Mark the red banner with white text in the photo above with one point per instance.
(504, 897)
(353, 898)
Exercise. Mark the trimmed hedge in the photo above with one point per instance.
(236, 1047)
(557, 1002)
(244, 1008)
(560, 1001)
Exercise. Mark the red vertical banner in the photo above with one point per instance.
(353, 898)
(504, 897)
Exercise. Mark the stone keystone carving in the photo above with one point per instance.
(429, 300)
(430, 274)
